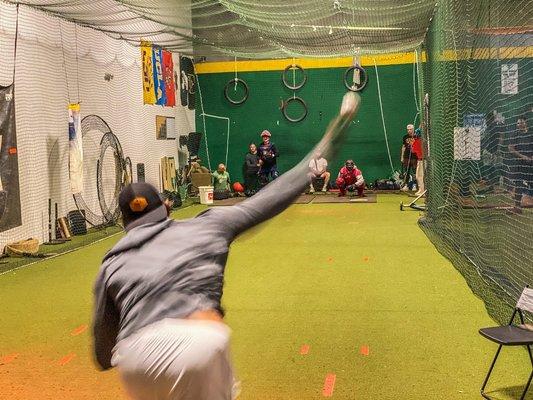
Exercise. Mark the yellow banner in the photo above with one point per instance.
(148, 73)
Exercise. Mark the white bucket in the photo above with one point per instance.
(206, 194)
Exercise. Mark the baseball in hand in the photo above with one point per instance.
(350, 103)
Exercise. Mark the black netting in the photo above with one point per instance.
(103, 173)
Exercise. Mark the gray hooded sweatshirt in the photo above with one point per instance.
(170, 269)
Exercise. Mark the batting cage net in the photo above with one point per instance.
(468, 78)
(478, 77)
(256, 29)
(57, 64)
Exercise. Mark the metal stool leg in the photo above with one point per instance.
(530, 376)
(490, 372)
(527, 386)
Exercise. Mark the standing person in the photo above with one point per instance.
(252, 164)
(519, 163)
(407, 157)
(491, 149)
(158, 315)
(268, 153)
(221, 183)
(350, 179)
(418, 151)
(318, 167)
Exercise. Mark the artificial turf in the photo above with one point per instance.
(359, 284)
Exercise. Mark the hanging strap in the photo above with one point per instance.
(236, 77)
(64, 60)
(16, 44)
(77, 62)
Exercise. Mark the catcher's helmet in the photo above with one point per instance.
(350, 164)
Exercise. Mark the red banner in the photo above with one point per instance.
(168, 78)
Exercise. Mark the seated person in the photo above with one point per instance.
(221, 183)
(350, 179)
(318, 167)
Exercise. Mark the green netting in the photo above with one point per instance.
(256, 29)
(480, 173)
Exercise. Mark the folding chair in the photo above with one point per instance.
(512, 335)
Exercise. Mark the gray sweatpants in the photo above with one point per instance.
(177, 359)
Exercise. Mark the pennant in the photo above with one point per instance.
(147, 73)
(159, 83)
(168, 77)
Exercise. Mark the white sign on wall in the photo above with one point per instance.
(509, 76)
(467, 143)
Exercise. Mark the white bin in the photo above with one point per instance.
(206, 194)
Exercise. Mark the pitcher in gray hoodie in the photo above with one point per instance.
(158, 314)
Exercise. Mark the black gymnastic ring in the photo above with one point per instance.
(284, 109)
(232, 82)
(352, 87)
(284, 77)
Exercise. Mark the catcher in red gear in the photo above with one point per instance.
(350, 179)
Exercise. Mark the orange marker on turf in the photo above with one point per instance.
(68, 358)
(9, 358)
(329, 385)
(79, 330)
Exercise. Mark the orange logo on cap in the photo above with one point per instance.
(138, 204)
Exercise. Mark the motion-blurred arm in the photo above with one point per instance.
(280, 193)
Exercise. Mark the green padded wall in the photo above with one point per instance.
(323, 93)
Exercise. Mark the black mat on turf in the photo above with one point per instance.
(329, 198)
(303, 199)
(229, 202)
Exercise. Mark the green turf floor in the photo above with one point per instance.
(360, 284)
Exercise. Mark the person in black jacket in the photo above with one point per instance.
(252, 167)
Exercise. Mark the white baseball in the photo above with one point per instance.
(350, 102)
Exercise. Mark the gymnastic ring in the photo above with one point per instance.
(298, 100)
(284, 77)
(236, 81)
(353, 87)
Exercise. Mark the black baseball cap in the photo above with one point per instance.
(140, 203)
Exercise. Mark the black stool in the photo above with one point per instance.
(318, 183)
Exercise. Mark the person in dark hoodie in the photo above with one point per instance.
(158, 315)
(252, 165)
